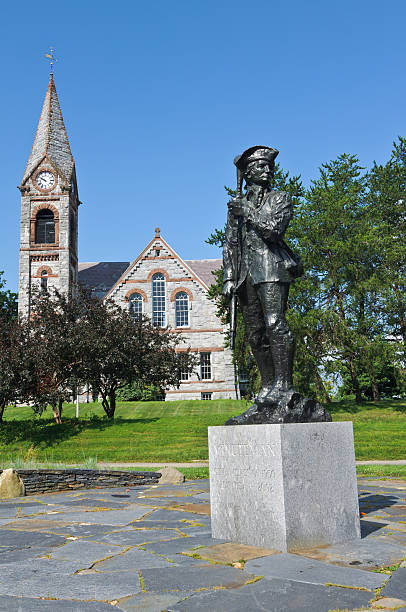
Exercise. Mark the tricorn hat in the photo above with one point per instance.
(255, 153)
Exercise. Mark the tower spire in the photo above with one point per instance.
(51, 140)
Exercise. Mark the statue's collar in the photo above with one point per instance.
(257, 194)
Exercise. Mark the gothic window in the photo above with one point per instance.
(182, 309)
(44, 282)
(135, 306)
(205, 366)
(45, 227)
(158, 300)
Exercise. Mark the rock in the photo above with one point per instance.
(287, 407)
(11, 484)
(170, 475)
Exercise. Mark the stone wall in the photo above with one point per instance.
(204, 332)
(48, 481)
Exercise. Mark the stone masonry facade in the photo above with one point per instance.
(203, 332)
(48, 261)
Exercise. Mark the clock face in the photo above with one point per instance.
(45, 179)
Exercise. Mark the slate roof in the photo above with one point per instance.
(204, 268)
(51, 139)
(102, 275)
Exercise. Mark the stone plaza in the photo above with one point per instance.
(150, 548)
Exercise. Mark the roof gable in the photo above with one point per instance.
(159, 251)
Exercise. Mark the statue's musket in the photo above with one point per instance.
(233, 302)
(233, 319)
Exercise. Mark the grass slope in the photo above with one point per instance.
(173, 431)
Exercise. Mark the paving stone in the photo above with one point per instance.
(84, 553)
(93, 503)
(138, 536)
(275, 596)
(24, 539)
(366, 553)
(194, 508)
(396, 585)
(230, 552)
(163, 492)
(182, 544)
(75, 586)
(41, 565)
(389, 603)
(19, 555)
(145, 602)
(19, 510)
(156, 502)
(193, 577)
(108, 517)
(172, 515)
(292, 567)
(28, 604)
(131, 561)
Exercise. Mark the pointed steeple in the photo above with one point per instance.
(51, 140)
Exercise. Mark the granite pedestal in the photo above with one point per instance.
(289, 486)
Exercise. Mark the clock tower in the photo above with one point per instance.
(49, 210)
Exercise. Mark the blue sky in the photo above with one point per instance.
(159, 97)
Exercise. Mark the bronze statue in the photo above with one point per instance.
(258, 269)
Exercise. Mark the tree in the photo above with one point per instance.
(15, 362)
(117, 350)
(55, 347)
(8, 300)
(83, 340)
(349, 228)
(387, 184)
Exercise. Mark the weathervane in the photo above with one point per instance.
(52, 59)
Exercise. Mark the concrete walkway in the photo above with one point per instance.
(150, 548)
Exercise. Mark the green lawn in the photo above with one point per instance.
(172, 431)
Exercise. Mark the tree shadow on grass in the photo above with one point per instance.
(46, 433)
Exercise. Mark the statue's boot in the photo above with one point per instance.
(263, 358)
(246, 418)
(283, 350)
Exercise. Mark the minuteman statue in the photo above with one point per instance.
(258, 270)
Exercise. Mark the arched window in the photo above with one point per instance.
(158, 300)
(44, 282)
(135, 306)
(45, 227)
(182, 309)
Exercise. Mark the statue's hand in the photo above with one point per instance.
(228, 289)
(236, 206)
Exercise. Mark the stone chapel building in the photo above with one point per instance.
(158, 283)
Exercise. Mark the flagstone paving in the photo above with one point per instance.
(150, 548)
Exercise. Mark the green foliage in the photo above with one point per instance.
(136, 393)
(81, 340)
(348, 311)
(8, 301)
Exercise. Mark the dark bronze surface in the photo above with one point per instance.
(258, 269)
